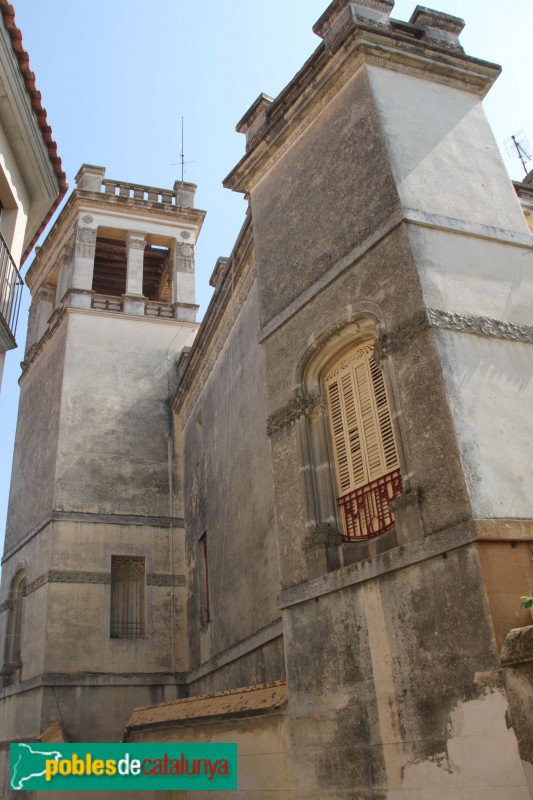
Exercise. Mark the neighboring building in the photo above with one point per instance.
(32, 182)
(305, 524)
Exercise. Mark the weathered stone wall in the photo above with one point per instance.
(470, 243)
(310, 210)
(262, 746)
(228, 495)
(248, 669)
(384, 282)
(113, 444)
(400, 676)
(392, 665)
(32, 490)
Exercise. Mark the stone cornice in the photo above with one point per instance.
(160, 580)
(408, 555)
(359, 43)
(90, 518)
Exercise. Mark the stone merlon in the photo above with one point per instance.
(361, 34)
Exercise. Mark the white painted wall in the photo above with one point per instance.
(473, 250)
(15, 199)
(443, 153)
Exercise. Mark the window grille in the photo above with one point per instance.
(365, 455)
(127, 597)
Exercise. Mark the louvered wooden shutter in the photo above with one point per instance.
(363, 439)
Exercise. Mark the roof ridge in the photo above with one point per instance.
(23, 59)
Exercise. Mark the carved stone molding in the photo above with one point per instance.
(483, 326)
(408, 68)
(36, 584)
(67, 576)
(407, 331)
(383, 347)
(85, 242)
(298, 406)
(7, 605)
(81, 576)
(165, 580)
(78, 576)
(184, 257)
(135, 241)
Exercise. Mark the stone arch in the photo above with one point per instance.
(12, 667)
(357, 324)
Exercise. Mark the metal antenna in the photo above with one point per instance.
(182, 161)
(182, 154)
(518, 145)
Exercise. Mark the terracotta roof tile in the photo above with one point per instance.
(8, 14)
(235, 702)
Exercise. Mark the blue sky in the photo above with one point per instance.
(116, 77)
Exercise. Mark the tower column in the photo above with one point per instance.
(83, 267)
(183, 284)
(134, 300)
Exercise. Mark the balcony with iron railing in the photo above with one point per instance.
(366, 510)
(11, 284)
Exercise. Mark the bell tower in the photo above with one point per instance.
(93, 577)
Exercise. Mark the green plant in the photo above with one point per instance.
(527, 600)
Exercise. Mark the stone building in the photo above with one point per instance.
(303, 525)
(32, 181)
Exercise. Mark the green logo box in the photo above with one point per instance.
(70, 767)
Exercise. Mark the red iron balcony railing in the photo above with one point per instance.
(11, 285)
(367, 511)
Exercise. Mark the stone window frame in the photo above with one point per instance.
(124, 625)
(356, 400)
(324, 521)
(12, 666)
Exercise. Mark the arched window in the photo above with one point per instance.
(365, 455)
(14, 635)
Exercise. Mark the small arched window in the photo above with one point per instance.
(14, 635)
(366, 459)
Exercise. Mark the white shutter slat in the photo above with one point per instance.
(363, 439)
(339, 436)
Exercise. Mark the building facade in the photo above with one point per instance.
(32, 182)
(305, 524)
